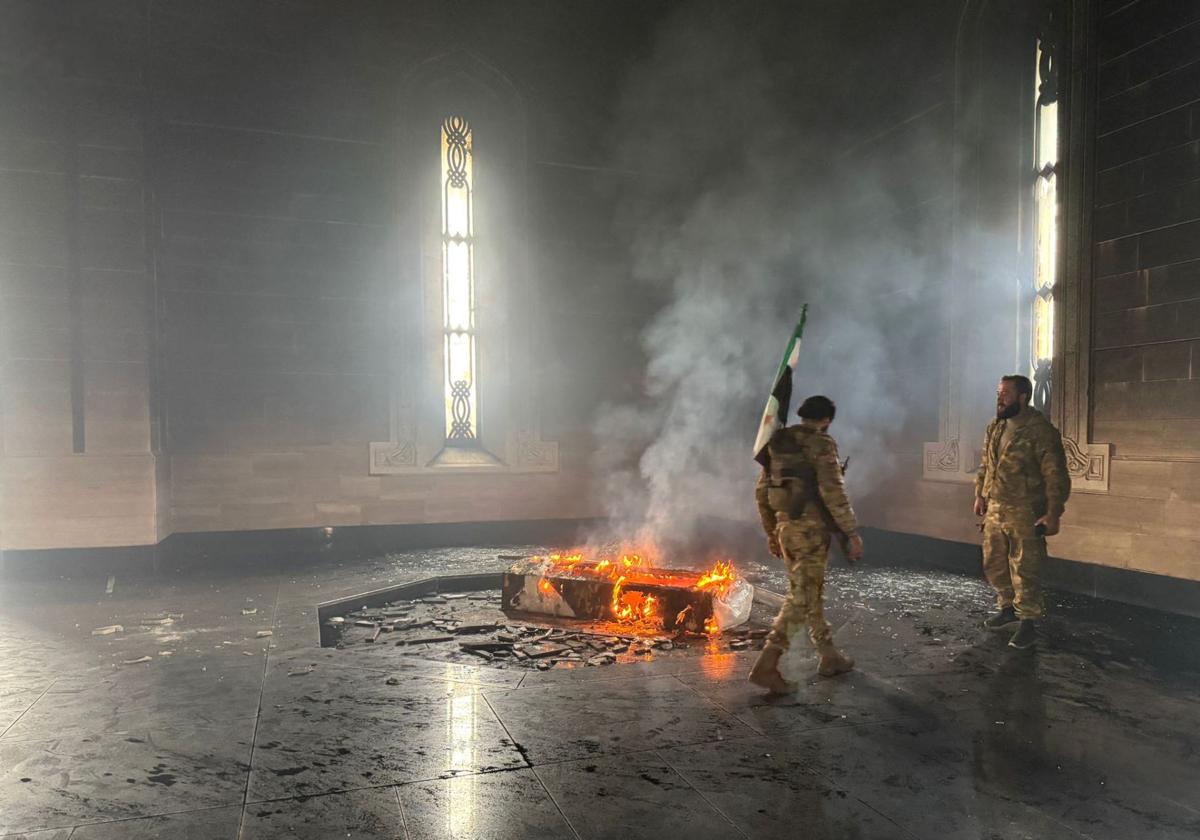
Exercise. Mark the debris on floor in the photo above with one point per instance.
(463, 626)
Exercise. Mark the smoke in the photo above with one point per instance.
(761, 195)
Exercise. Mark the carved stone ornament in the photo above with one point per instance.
(393, 456)
(534, 454)
(941, 457)
(1089, 466)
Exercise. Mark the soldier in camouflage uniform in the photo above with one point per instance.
(802, 503)
(1021, 491)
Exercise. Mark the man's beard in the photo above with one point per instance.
(1008, 411)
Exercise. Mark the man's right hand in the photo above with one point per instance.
(980, 506)
(854, 548)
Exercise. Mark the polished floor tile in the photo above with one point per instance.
(207, 824)
(638, 795)
(95, 778)
(373, 813)
(568, 721)
(151, 695)
(489, 806)
(347, 728)
(941, 731)
(768, 791)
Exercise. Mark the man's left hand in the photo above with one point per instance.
(1050, 523)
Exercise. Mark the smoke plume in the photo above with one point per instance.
(759, 195)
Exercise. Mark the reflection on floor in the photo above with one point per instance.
(227, 732)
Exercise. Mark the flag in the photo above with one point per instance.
(775, 414)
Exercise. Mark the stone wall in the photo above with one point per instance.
(1144, 280)
(78, 464)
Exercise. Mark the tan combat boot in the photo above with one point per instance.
(765, 672)
(833, 661)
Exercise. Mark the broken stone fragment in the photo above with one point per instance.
(138, 661)
(427, 640)
(146, 622)
(454, 596)
(364, 623)
(109, 630)
(374, 635)
(392, 681)
(262, 634)
(337, 619)
(477, 628)
(249, 610)
(739, 644)
(487, 644)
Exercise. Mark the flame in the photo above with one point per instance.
(710, 626)
(719, 578)
(634, 607)
(631, 605)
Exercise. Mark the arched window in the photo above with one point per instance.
(463, 391)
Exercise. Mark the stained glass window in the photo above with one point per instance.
(1045, 234)
(458, 283)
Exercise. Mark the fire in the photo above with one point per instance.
(629, 604)
(634, 607)
(719, 578)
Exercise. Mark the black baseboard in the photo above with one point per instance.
(286, 548)
(1143, 589)
(280, 548)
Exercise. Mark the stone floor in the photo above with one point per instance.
(941, 732)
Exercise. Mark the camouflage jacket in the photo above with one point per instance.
(1030, 470)
(803, 478)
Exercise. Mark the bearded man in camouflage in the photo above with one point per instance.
(802, 503)
(1021, 491)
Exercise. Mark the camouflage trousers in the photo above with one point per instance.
(1013, 556)
(805, 547)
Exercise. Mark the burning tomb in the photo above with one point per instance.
(629, 591)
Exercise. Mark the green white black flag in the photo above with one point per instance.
(775, 414)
